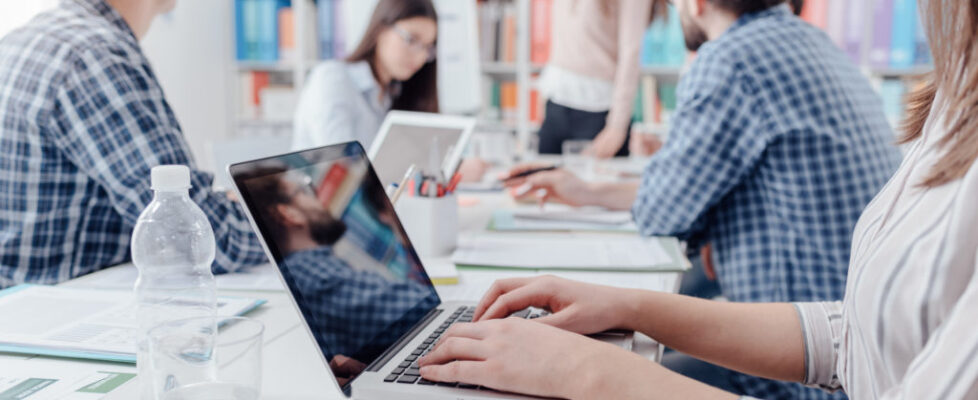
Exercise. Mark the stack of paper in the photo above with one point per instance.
(570, 251)
(79, 323)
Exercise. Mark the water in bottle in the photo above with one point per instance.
(173, 248)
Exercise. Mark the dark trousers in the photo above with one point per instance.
(565, 123)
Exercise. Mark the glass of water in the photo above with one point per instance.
(576, 158)
(213, 358)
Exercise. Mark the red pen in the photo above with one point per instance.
(410, 184)
(453, 183)
(424, 189)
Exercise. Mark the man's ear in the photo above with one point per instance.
(290, 215)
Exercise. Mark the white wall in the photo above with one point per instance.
(14, 13)
(190, 50)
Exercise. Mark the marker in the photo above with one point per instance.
(531, 172)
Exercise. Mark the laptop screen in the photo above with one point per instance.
(342, 251)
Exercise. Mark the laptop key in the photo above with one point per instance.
(466, 386)
(407, 379)
(448, 384)
(390, 378)
(425, 382)
(417, 352)
(404, 364)
(412, 372)
(397, 371)
(411, 358)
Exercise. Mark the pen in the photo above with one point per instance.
(453, 183)
(531, 172)
(399, 187)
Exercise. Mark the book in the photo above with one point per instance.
(325, 28)
(879, 50)
(92, 324)
(540, 30)
(855, 29)
(286, 34)
(836, 23)
(816, 12)
(508, 35)
(903, 44)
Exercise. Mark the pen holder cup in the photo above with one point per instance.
(431, 223)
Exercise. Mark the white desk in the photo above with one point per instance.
(292, 366)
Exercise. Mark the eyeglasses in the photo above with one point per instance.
(430, 50)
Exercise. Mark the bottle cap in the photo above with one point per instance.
(170, 178)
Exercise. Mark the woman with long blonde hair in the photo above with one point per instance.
(906, 328)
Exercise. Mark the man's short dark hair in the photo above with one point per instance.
(741, 7)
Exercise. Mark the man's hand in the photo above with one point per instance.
(558, 185)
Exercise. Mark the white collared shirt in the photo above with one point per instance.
(340, 102)
(907, 326)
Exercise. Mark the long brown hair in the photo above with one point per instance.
(420, 92)
(952, 30)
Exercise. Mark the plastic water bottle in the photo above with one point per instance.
(173, 248)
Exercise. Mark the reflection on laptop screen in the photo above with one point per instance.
(343, 253)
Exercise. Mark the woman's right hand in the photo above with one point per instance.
(575, 306)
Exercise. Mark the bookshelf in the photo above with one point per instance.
(287, 73)
(662, 61)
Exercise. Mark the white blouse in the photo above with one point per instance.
(340, 102)
(908, 326)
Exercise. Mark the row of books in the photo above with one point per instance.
(498, 27)
(265, 30)
(896, 39)
(266, 96)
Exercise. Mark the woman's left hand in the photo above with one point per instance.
(523, 356)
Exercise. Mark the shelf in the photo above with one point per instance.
(661, 70)
(263, 122)
(273, 66)
(505, 68)
(901, 72)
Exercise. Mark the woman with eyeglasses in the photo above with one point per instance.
(393, 68)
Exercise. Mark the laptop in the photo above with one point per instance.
(433, 142)
(351, 271)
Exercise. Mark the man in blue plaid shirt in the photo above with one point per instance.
(82, 121)
(776, 145)
(356, 313)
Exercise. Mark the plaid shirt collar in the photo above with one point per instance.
(102, 9)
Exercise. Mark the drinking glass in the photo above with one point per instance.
(213, 358)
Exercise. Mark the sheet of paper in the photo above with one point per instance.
(441, 271)
(510, 220)
(259, 278)
(564, 251)
(43, 380)
(66, 321)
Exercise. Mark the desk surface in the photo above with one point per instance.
(292, 365)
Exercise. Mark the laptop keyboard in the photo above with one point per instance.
(408, 372)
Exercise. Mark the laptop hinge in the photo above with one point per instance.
(403, 341)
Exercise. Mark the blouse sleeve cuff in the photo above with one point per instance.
(821, 325)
